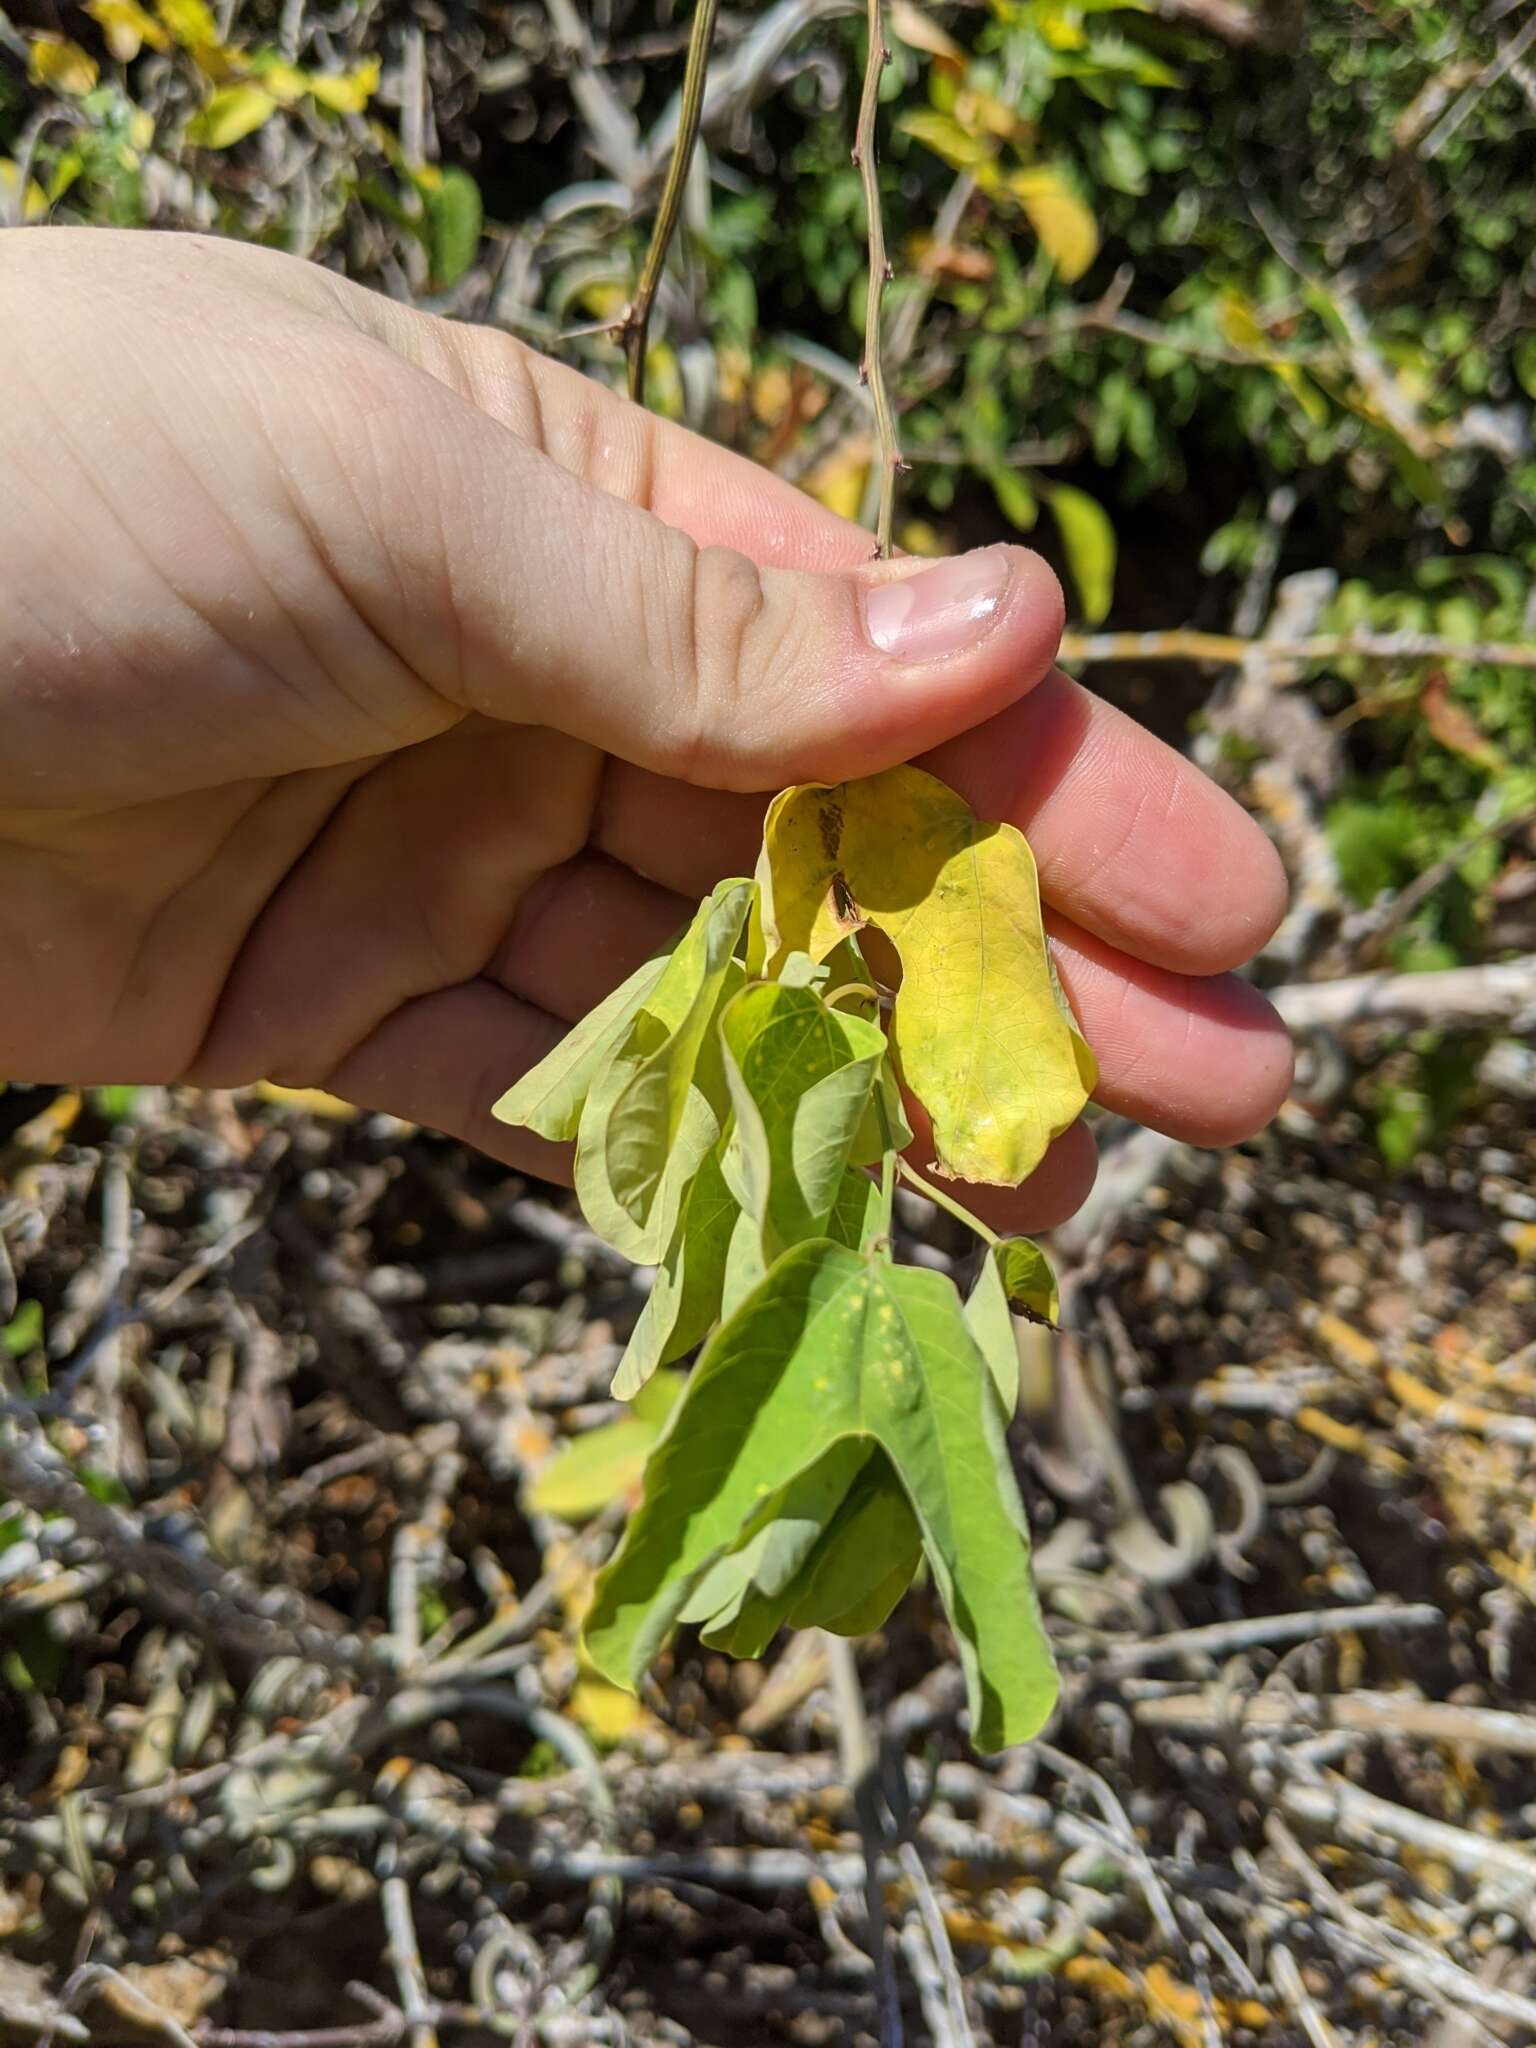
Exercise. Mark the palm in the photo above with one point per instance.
(293, 855)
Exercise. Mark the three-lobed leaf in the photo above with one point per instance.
(833, 1344)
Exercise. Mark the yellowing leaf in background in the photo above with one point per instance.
(127, 27)
(1089, 542)
(346, 92)
(838, 483)
(1068, 232)
(33, 202)
(312, 1101)
(232, 113)
(981, 1035)
(191, 22)
(607, 1462)
(61, 66)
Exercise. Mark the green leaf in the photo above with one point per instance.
(607, 1462)
(1015, 1279)
(549, 1097)
(1015, 500)
(856, 1214)
(454, 217)
(1089, 541)
(833, 1345)
(745, 1598)
(655, 1109)
(800, 1076)
(865, 1560)
(115, 1103)
(981, 1035)
(685, 1295)
(744, 1263)
(229, 115)
(24, 1332)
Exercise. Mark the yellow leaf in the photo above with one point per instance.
(607, 1714)
(191, 22)
(607, 1462)
(286, 82)
(312, 1101)
(1067, 230)
(919, 31)
(347, 92)
(61, 66)
(603, 299)
(838, 483)
(981, 1033)
(232, 113)
(983, 113)
(128, 27)
(34, 203)
(959, 148)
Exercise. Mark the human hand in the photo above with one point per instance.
(376, 695)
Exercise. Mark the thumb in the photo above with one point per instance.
(517, 590)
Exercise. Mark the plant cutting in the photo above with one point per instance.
(740, 1112)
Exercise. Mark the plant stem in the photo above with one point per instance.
(635, 329)
(872, 370)
(963, 1215)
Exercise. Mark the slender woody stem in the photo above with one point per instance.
(872, 369)
(637, 319)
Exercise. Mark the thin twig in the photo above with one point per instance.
(857, 1753)
(635, 330)
(872, 369)
(405, 1960)
(1504, 988)
(1226, 648)
(1402, 1717)
(1260, 1630)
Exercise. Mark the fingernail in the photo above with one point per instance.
(939, 610)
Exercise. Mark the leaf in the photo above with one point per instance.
(866, 1558)
(856, 1214)
(685, 1295)
(655, 1109)
(308, 1101)
(58, 65)
(1067, 229)
(1089, 541)
(191, 22)
(833, 1345)
(919, 31)
(1015, 1279)
(454, 216)
(607, 1462)
(1015, 500)
(549, 1098)
(947, 139)
(24, 1332)
(127, 26)
(348, 92)
(981, 1036)
(33, 202)
(744, 1264)
(229, 115)
(743, 1600)
(800, 1076)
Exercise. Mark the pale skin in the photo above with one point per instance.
(374, 695)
